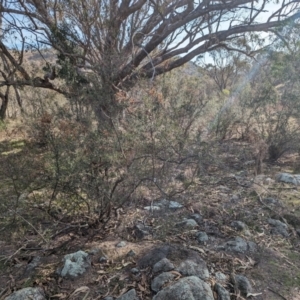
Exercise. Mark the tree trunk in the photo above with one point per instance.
(3, 108)
(104, 103)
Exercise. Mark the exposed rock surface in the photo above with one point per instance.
(130, 295)
(103, 259)
(28, 293)
(288, 178)
(192, 268)
(135, 271)
(201, 237)
(188, 288)
(239, 225)
(163, 265)
(243, 284)
(131, 253)
(169, 204)
(187, 223)
(278, 227)
(75, 264)
(197, 217)
(36, 261)
(141, 231)
(220, 277)
(159, 281)
(152, 208)
(172, 252)
(239, 245)
(121, 244)
(222, 293)
(154, 256)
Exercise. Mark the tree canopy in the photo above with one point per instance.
(120, 41)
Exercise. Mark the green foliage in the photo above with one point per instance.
(2, 125)
(267, 110)
(94, 167)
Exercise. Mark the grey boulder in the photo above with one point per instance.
(239, 245)
(222, 293)
(188, 288)
(130, 295)
(159, 281)
(288, 178)
(75, 264)
(192, 268)
(164, 265)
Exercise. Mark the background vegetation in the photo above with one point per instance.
(103, 122)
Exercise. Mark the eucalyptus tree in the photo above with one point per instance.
(110, 44)
(225, 68)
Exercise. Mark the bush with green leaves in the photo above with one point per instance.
(93, 167)
(270, 103)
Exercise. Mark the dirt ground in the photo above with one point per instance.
(28, 232)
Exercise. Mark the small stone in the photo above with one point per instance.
(223, 294)
(190, 268)
(268, 181)
(159, 281)
(278, 227)
(135, 271)
(252, 247)
(130, 295)
(75, 264)
(243, 285)
(220, 277)
(238, 225)
(239, 245)
(163, 265)
(152, 208)
(270, 201)
(141, 231)
(247, 232)
(277, 223)
(154, 256)
(163, 202)
(103, 259)
(191, 223)
(202, 237)
(234, 198)
(249, 163)
(174, 205)
(94, 251)
(224, 188)
(33, 264)
(27, 293)
(121, 244)
(131, 253)
(197, 217)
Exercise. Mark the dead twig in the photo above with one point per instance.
(31, 227)
(265, 205)
(11, 256)
(277, 293)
